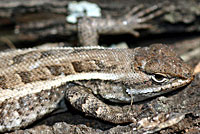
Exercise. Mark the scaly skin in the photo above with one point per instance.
(34, 81)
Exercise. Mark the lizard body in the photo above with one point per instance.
(34, 81)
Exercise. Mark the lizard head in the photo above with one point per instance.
(161, 71)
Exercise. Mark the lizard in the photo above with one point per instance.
(90, 28)
(34, 81)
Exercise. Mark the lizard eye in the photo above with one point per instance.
(159, 78)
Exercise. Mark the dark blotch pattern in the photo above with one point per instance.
(55, 70)
(3, 82)
(85, 66)
(25, 76)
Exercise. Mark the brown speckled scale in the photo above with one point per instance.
(34, 81)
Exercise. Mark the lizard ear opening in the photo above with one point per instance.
(159, 78)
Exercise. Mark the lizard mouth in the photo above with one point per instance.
(145, 93)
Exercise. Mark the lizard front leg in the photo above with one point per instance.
(81, 98)
(87, 33)
(89, 29)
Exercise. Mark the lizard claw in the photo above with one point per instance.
(134, 10)
(147, 14)
(137, 21)
(135, 33)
